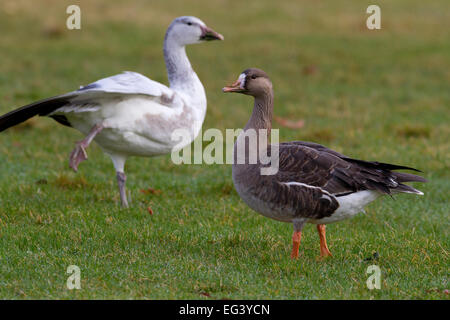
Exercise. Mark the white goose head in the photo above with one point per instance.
(190, 30)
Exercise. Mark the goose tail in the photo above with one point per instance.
(407, 177)
(403, 188)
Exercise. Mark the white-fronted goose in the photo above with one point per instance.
(313, 184)
(128, 114)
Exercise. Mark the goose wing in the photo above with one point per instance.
(311, 178)
(127, 83)
(91, 96)
(337, 174)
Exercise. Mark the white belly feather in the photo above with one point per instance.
(136, 126)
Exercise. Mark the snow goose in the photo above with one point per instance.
(313, 184)
(128, 114)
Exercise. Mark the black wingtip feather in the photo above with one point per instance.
(42, 108)
(408, 177)
(381, 165)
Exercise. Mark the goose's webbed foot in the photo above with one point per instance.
(79, 153)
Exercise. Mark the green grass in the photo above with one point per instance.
(381, 95)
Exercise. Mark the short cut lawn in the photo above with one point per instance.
(378, 95)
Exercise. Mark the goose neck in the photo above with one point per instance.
(178, 67)
(182, 77)
(261, 117)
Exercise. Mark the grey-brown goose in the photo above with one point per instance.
(313, 184)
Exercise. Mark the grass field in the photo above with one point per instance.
(378, 95)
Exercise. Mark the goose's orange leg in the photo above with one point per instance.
(324, 252)
(296, 237)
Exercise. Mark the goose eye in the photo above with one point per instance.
(189, 23)
(253, 77)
